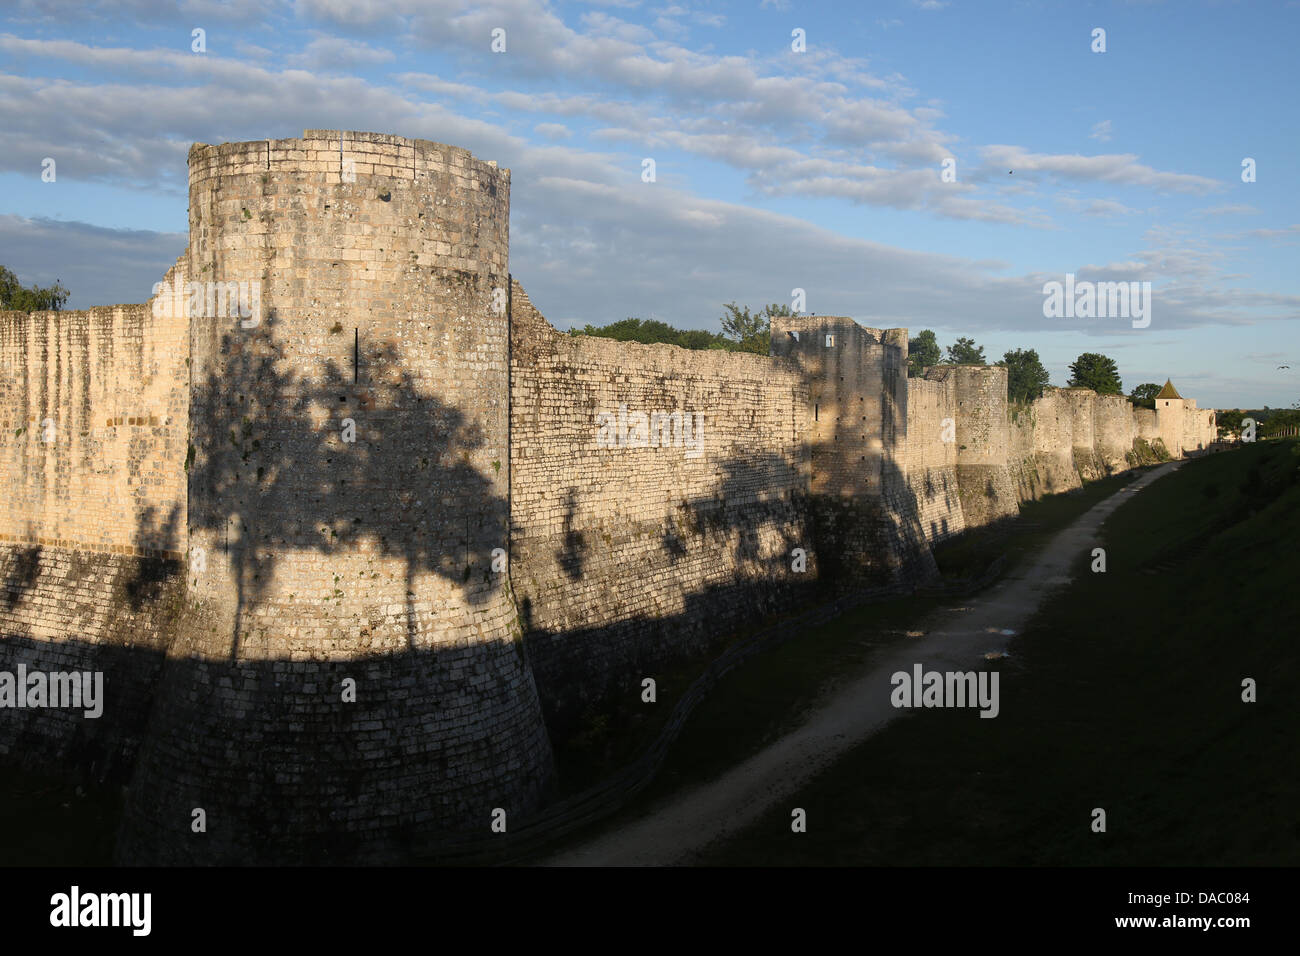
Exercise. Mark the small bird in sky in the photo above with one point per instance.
(1284, 366)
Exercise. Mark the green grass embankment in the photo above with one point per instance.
(1124, 693)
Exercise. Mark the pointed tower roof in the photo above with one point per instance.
(1168, 391)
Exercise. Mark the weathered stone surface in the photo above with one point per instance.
(235, 515)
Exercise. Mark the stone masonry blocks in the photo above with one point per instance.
(232, 514)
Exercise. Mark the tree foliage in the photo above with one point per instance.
(14, 295)
(650, 331)
(1279, 420)
(922, 351)
(965, 352)
(1144, 395)
(1267, 420)
(1229, 421)
(752, 332)
(1097, 372)
(1026, 375)
(743, 331)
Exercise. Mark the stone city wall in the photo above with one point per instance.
(346, 524)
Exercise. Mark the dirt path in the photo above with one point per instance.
(677, 829)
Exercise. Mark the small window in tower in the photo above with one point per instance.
(830, 340)
(816, 409)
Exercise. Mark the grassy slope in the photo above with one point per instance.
(770, 694)
(50, 822)
(1124, 693)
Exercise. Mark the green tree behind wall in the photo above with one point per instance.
(1144, 395)
(1097, 372)
(752, 332)
(1026, 376)
(922, 352)
(965, 352)
(650, 331)
(19, 298)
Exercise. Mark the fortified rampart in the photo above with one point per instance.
(861, 512)
(350, 674)
(94, 412)
(930, 453)
(656, 497)
(346, 524)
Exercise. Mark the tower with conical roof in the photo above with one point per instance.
(1183, 427)
(1169, 418)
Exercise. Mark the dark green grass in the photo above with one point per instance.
(50, 822)
(1018, 538)
(1124, 693)
(770, 694)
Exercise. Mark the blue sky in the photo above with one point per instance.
(775, 169)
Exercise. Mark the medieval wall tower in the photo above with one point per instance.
(348, 475)
(867, 521)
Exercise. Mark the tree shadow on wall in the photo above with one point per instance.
(153, 572)
(286, 463)
(300, 772)
(571, 556)
(21, 574)
(868, 524)
(737, 543)
(744, 502)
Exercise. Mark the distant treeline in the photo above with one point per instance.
(20, 298)
(742, 330)
(1267, 420)
(651, 331)
(746, 331)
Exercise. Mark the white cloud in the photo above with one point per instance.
(654, 86)
(252, 50)
(334, 54)
(1228, 209)
(552, 131)
(1101, 131)
(1102, 208)
(146, 11)
(1288, 232)
(1113, 168)
(98, 266)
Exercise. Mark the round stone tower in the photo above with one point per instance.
(352, 684)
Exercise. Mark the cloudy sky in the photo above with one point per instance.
(776, 169)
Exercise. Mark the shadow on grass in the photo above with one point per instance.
(1124, 693)
(773, 692)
